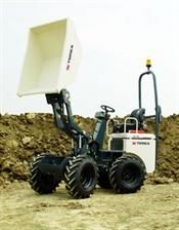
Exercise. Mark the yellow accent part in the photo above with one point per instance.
(148, 63)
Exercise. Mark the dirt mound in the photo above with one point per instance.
(24, 136)
(168, 164)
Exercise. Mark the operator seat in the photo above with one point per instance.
(137, 114)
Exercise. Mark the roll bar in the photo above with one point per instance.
(158, 110)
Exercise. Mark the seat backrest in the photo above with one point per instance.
(139, 115)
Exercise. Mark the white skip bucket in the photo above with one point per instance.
(52, 58)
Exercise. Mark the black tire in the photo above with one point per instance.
(40, 182)
(103, 179)
(127, 174)
(81, 176)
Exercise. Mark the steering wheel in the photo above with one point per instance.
(107, 109)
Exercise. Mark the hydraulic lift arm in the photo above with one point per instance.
(63, 114)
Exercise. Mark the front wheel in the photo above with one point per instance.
(127, 174)
(42, 183)
(81, 176)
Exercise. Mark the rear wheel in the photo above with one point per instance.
(40, 182)
(103, 179)
(81, 176)
(127, 174)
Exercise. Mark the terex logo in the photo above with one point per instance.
(69, 57)
(140, 143)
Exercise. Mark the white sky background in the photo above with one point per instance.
(116, 36)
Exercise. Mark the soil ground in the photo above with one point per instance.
(153, 207)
